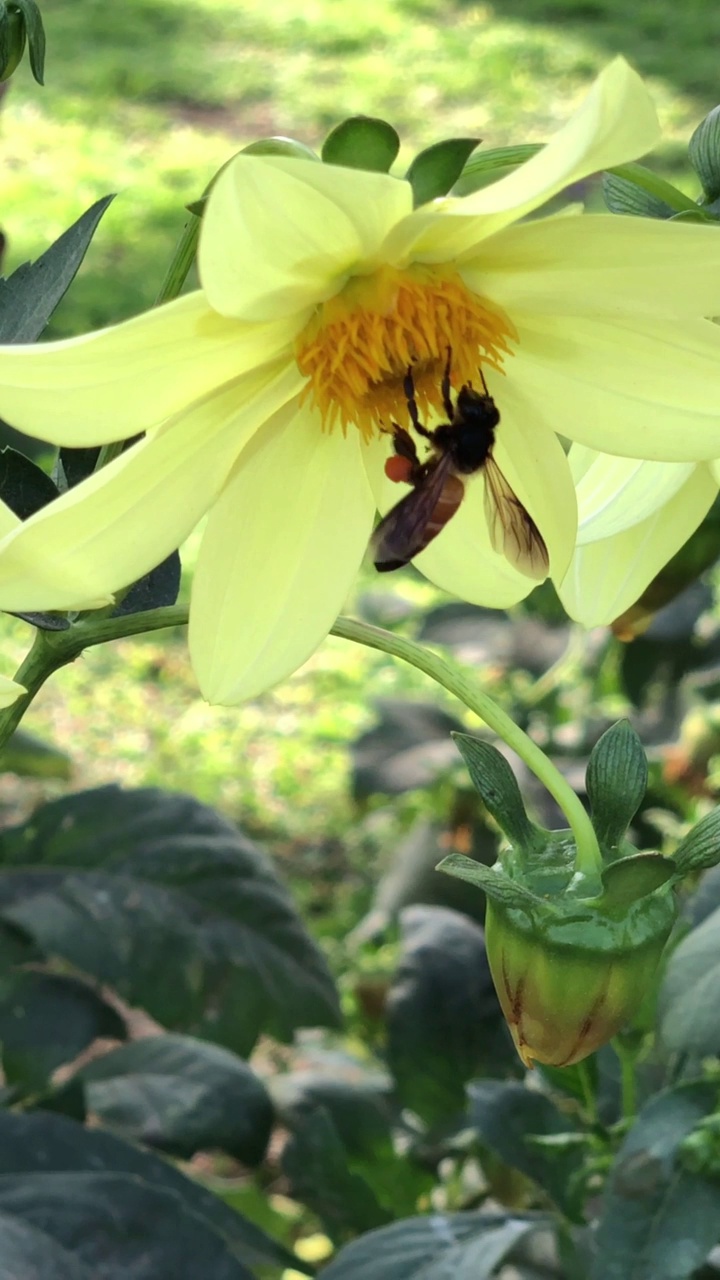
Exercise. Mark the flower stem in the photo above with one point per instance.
(52, 650)
(464, 686)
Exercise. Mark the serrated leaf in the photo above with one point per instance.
(31, 294)
(626, 197)
(120, 1227)
(181, 1095)
(436, 169)
(438, 1246)
(704, 153)
(362, 142)
(508, 1116)
(35, 36)
(42, 1143)
(659, 1220)
(156, 590)
(700, 849)
(689, 999)
(46, 1020)
(616, 782)
(496, 783)
(443, 1016)
(160, 897)
(24, 487)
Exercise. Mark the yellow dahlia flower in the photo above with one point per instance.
(632, 518)
(263, 395)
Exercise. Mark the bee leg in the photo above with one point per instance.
(446, 389)
(409, 389)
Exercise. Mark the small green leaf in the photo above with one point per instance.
(495, 884)
(616, 782)
(629, 879)
(362, 142)
(495, 781)
(655, 186)
(704, 153)
(436, 169)
(701, 847)
(491, 165)
(623, 196)
(35, 35)
(279, 146)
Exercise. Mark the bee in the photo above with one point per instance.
(460, 447)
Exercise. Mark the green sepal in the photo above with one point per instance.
(436, 169)
(35, 35)
(280, 146)
(632, 878)
(623, 196)
(701, 847)
(655, 186)
(489, 166)
(12, 39)
(704, 154)
(616, 781)
(498, 886)
(497, 786)
(362, 142)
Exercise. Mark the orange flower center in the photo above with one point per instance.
(358, 347)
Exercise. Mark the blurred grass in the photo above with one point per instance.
(148, 98)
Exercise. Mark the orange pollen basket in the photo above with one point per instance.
(357, 349)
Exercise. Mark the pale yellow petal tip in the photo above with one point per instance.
(10, 691)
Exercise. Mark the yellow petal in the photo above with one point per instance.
(119, 381)
(123, 520)
(280, 235)
(279, 554)
(615, 493)
(10, 691)
(607, 576)
(600, 265)
(615, 123)
(639, 386)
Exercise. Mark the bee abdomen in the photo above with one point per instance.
(445, 507)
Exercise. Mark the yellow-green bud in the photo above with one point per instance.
(564, 995)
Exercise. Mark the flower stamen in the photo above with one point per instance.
(358, 347)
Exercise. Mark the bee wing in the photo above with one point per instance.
(513, 532)
(402, 533)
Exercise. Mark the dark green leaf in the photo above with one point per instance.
(493, 778)
(315, 1162)
(439, 1246)
(360, 1111)
(30, 757)
(27, 1253)
(35, 35)
(24, 487)
(181, 1095)
(46, 1020)
(700, 848)
(362, 142)
(157, 590)
(508, 1116)
(43, 1143)
(29, 297)
(184, 915)
(119, 1227)
(74, 465)
(616, 781)
(442, 1012)
(704, 153)
(436, 169)
(689, 999)
(623, 196)
(659, 1221)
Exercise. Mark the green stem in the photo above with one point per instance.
(464, 686)
(628, 1079)
(52, 650)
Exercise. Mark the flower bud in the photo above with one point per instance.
(568, 988)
